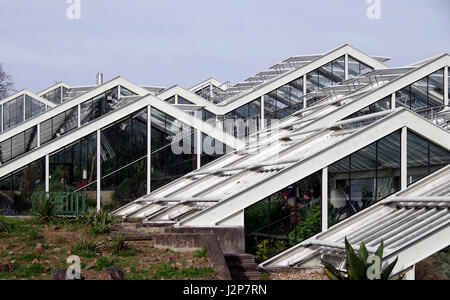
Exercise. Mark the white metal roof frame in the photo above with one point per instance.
(431, 236)
(266, 87)
(353, 105)
(360, 139)
(237, 199)
(109, 118)
(30, 94)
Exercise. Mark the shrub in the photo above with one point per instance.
(118, 244)
(87, 247)
(101, 221)
(357, 265)
(45, 208)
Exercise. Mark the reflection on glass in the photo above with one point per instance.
(424, 157)
(284, 219)
(366, 176)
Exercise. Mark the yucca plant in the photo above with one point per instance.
(100, 221)
(45, 208)
(118, 244)
(358, 265)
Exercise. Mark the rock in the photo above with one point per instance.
(38, 248)
(35, 261)
(6, 268)
(172, 266)
(10, 252)
(179, 265)
(113, 273)
(62, 275)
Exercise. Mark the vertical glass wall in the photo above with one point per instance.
(284, 219)
(18, 144)
(173, 149)
(424, 94)
(357, 68)
(244, 120)
(363, 178)
(327, 75)
(13, 113)
(424, 157)
(99, 105)
(74, 168)
(16, 189)
(283, 101)
(124, 160)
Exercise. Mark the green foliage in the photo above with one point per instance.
(201, 253)
(103, 262)
(45, 208)
(310, 225)
(86, 247)
(357, 265)
(262, 249)
(100, 222)
(119, 245)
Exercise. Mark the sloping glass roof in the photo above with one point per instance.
(401, 221)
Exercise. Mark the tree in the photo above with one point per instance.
(6, 84)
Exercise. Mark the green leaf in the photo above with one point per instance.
(356, 268)
(380, 250)
(363, 253)
(331, 271)
(387, 272)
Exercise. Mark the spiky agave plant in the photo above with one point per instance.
(45, 208)
(358, 264)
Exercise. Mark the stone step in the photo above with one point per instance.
(240, 258)
(251, 275)
(133, 236)
(238, 267)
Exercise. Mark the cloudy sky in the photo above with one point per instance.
(184, 42)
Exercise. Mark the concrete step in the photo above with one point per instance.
(239, 258)
(237, 267)
(251, 275)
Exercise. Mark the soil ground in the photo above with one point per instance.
(33, 251)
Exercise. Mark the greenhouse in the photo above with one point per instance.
(293, 152)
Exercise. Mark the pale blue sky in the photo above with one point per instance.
(184, 42)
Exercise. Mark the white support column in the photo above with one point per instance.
(99, 173)
(149, 149)
(199, 149)
(1, 117)
(24, 108)
(47, 173)
(404, 159)
(446, 90)
(393, 105)
(346, 67)
(79, 115)
(176, 99)
(119, 91)
(410, 274)
(324, 199)
(304, 91)
(38, 135)
(263, 115)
